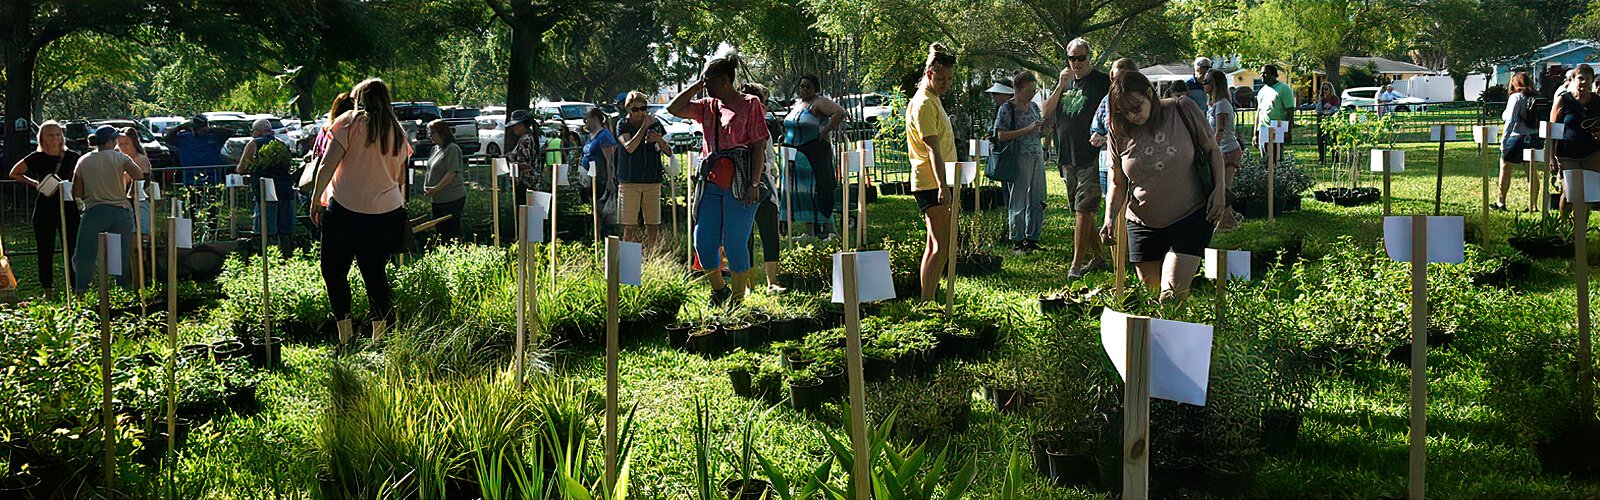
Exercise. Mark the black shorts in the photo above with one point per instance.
(1189, 236)
(926, 199)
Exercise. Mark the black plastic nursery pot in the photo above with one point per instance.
(195, 351)
(1542, 247)
(833, 383)
(708, 339)
(742, 386)
(794, 359)
(263, 357)
(754, 489)
(1052, 304)
(1065, 458)
(1280, 429)
(806, 395)
(780, 329)
(1257, 208)
(1575, 454)
(678, 335)
(978, 264)
(228, 349)
(739, 335)
(243, 398)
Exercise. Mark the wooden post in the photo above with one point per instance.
(172, 334)
(494, 194)
(1136, 412)
(1119, 251)
(555, 203)
(1419, 356)
(1580, 267)
(861, 200)
(1533, 187)
(233, 215)
(1438, 178)
(844, 204)
(955, 234)
(522, 287)
(1483, 172)
(1221, 283)
(66, 257)
(108, 420)
(613, 261)
(1388, 170)
(861, 471)
(138, 249)
(1544, 176)
(1272, 168)
(594, 198)
(688, 213)
(266, 282)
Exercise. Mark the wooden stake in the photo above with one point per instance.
(861, 466)
(233, 214)
(1221, 284)
(861, 202)
(594, 199)
(172, 335)
(1533, 187)
(1119, 251)
(1388, 169)
(522, 288)
(555, 171)
(955, 234)
(1272, 168)
(66, 255)
(1483, 172)
(1419, 356)
(1438, 179)
(613, 268)
(1580, 265)
(108, 420)
(844, 205)
(138, 252)
(266, 283)
(1136, 412)
(494, 205)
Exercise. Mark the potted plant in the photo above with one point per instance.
(794, 355)
(1542, 237)
(678, 334)
(1249, 191)
(805, 390)
(741, 365)
(745, 486)
(707, 339)
(1288, 377)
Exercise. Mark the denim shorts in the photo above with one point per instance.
(1511, 148)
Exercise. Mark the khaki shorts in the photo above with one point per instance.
(640, 199)
(1083, 187)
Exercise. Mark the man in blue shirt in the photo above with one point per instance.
(198, 145)
(1197, 90)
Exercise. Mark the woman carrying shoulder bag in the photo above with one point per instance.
(1017, 126)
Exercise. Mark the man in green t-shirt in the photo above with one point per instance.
(1275, 102)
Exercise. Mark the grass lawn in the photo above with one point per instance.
(1353, 443)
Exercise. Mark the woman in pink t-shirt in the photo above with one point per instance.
(728, 183)
(365, 218)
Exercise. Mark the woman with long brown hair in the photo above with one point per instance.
(930, 142)
(365, 218)
(51, 158)
(1154, 143)
(1518, 131)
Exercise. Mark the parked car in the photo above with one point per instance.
(226, 115)
(494, 139)
(158, 124)
(1367, 98)
(464, 124)
(682, 134)
(870, 106)
(570, 113)
(160, 156)
(414, 117)
(76, 133)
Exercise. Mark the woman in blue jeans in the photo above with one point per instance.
(1018, 123)
(729, 180)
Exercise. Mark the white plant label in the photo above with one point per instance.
(1446, 238)
(672, 166)
(234, 181)
(960, 172)
(1552, 130)
(1180, 356)
(562, 173)
(852, 161)
(630, 263)
(533, 224)
(1442, 132)
(1591, 184)
(113, 254)
(1533, 155)
(155, 190)
(501, 167)
(589, 172)
(269, 189)
(1238, 264)
(874, 279)
(1396, 158)
(542, 200)
(1486, 134)
(66, 190)
(183, 232)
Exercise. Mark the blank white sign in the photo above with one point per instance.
(269, 189)
(562, 172)
(1446, 238)
(672, 166)
(962, 172)
(1238, 264)
(1533, 155)
(630, 262)
(155, 190)
(533, 223)
(66, 190)
(234, 181)
(1396, 157)
(1552, 130)
(183, 232)
(1180, 356)
(1591, 184)
(1486, 134)
(501, 167)
(874, 280)
(852, 161)
(113, 254)
(1442, 132)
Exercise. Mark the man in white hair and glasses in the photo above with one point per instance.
(265, 157)
(1195, 84)
(1079, 87)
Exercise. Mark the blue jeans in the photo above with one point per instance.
(1025, 198)
(723, 222)
(280, 215)
(100, 219)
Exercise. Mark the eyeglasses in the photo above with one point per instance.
(1081, 58)
(640, 108)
